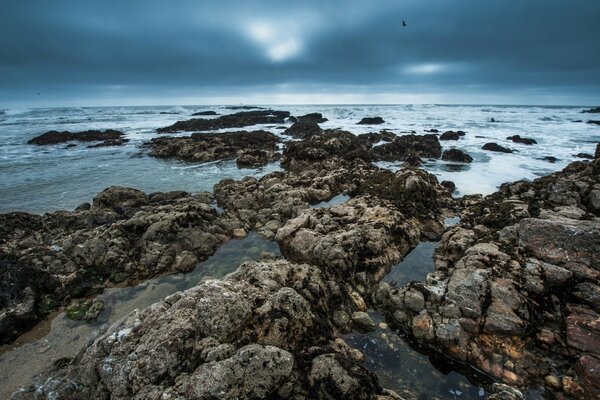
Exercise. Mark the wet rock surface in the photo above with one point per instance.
(269, 329)
(236, 120)
(126, 235)
(331, 147)
(249, 149)
(496, 148)
(427, 146)
(371, 121)
(451, 135)
(523, 140)
(515, 290)
(303, 129)
(109, 137)
(594, 110)
(456, 155)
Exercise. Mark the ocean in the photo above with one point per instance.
(46, 178)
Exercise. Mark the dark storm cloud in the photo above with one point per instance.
(78, 47)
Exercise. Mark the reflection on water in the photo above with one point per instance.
(334, 201)
(415, 266)
(399, 367)
(67, 337)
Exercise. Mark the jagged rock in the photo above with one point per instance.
(584, 155)
(237, 120)
(110, 137)
(303, 130)
(252, 158)
(427, 146)
(117, 198)
(312, 117)
(331, 146)
(124, 236)
(496, 148)
(371, 121)
(451, 186)
(520, 266)
(456, 155)
(356, 233)
(519, 139)
(196, 344)
(376, 137)
(254, 148)
(593, 122)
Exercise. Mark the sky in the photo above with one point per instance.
(150, 52)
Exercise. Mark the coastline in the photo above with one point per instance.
(337, 246)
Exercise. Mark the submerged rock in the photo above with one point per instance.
(110, 137)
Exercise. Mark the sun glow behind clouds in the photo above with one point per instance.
(424, 69)
(279, 43)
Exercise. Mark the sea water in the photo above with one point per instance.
(46, 178)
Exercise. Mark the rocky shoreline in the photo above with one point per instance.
(515, 293)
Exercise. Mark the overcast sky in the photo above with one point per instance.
(327, 51)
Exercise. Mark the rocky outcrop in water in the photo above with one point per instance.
(329, 148)
(426, 146)
(201, 113)
(237, 120)
(371, 121)
(270, 329)
(126, 235)
(312, 117)
(523, 140)
(594, 110)
(451, 135)
(303, 130)
(109, 137)
(249, 149)
(495, 147)
(456, 155)
(515, 292)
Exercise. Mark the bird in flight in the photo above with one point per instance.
(403, 23)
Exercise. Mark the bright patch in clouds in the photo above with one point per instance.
(424, 69)
(278, 42)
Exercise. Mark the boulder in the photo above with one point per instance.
(496, 148)
(303, 129)
(371, 121)
(426, 146)
(523, 140)
(456, 155)
(110, 137)
(451, 135)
